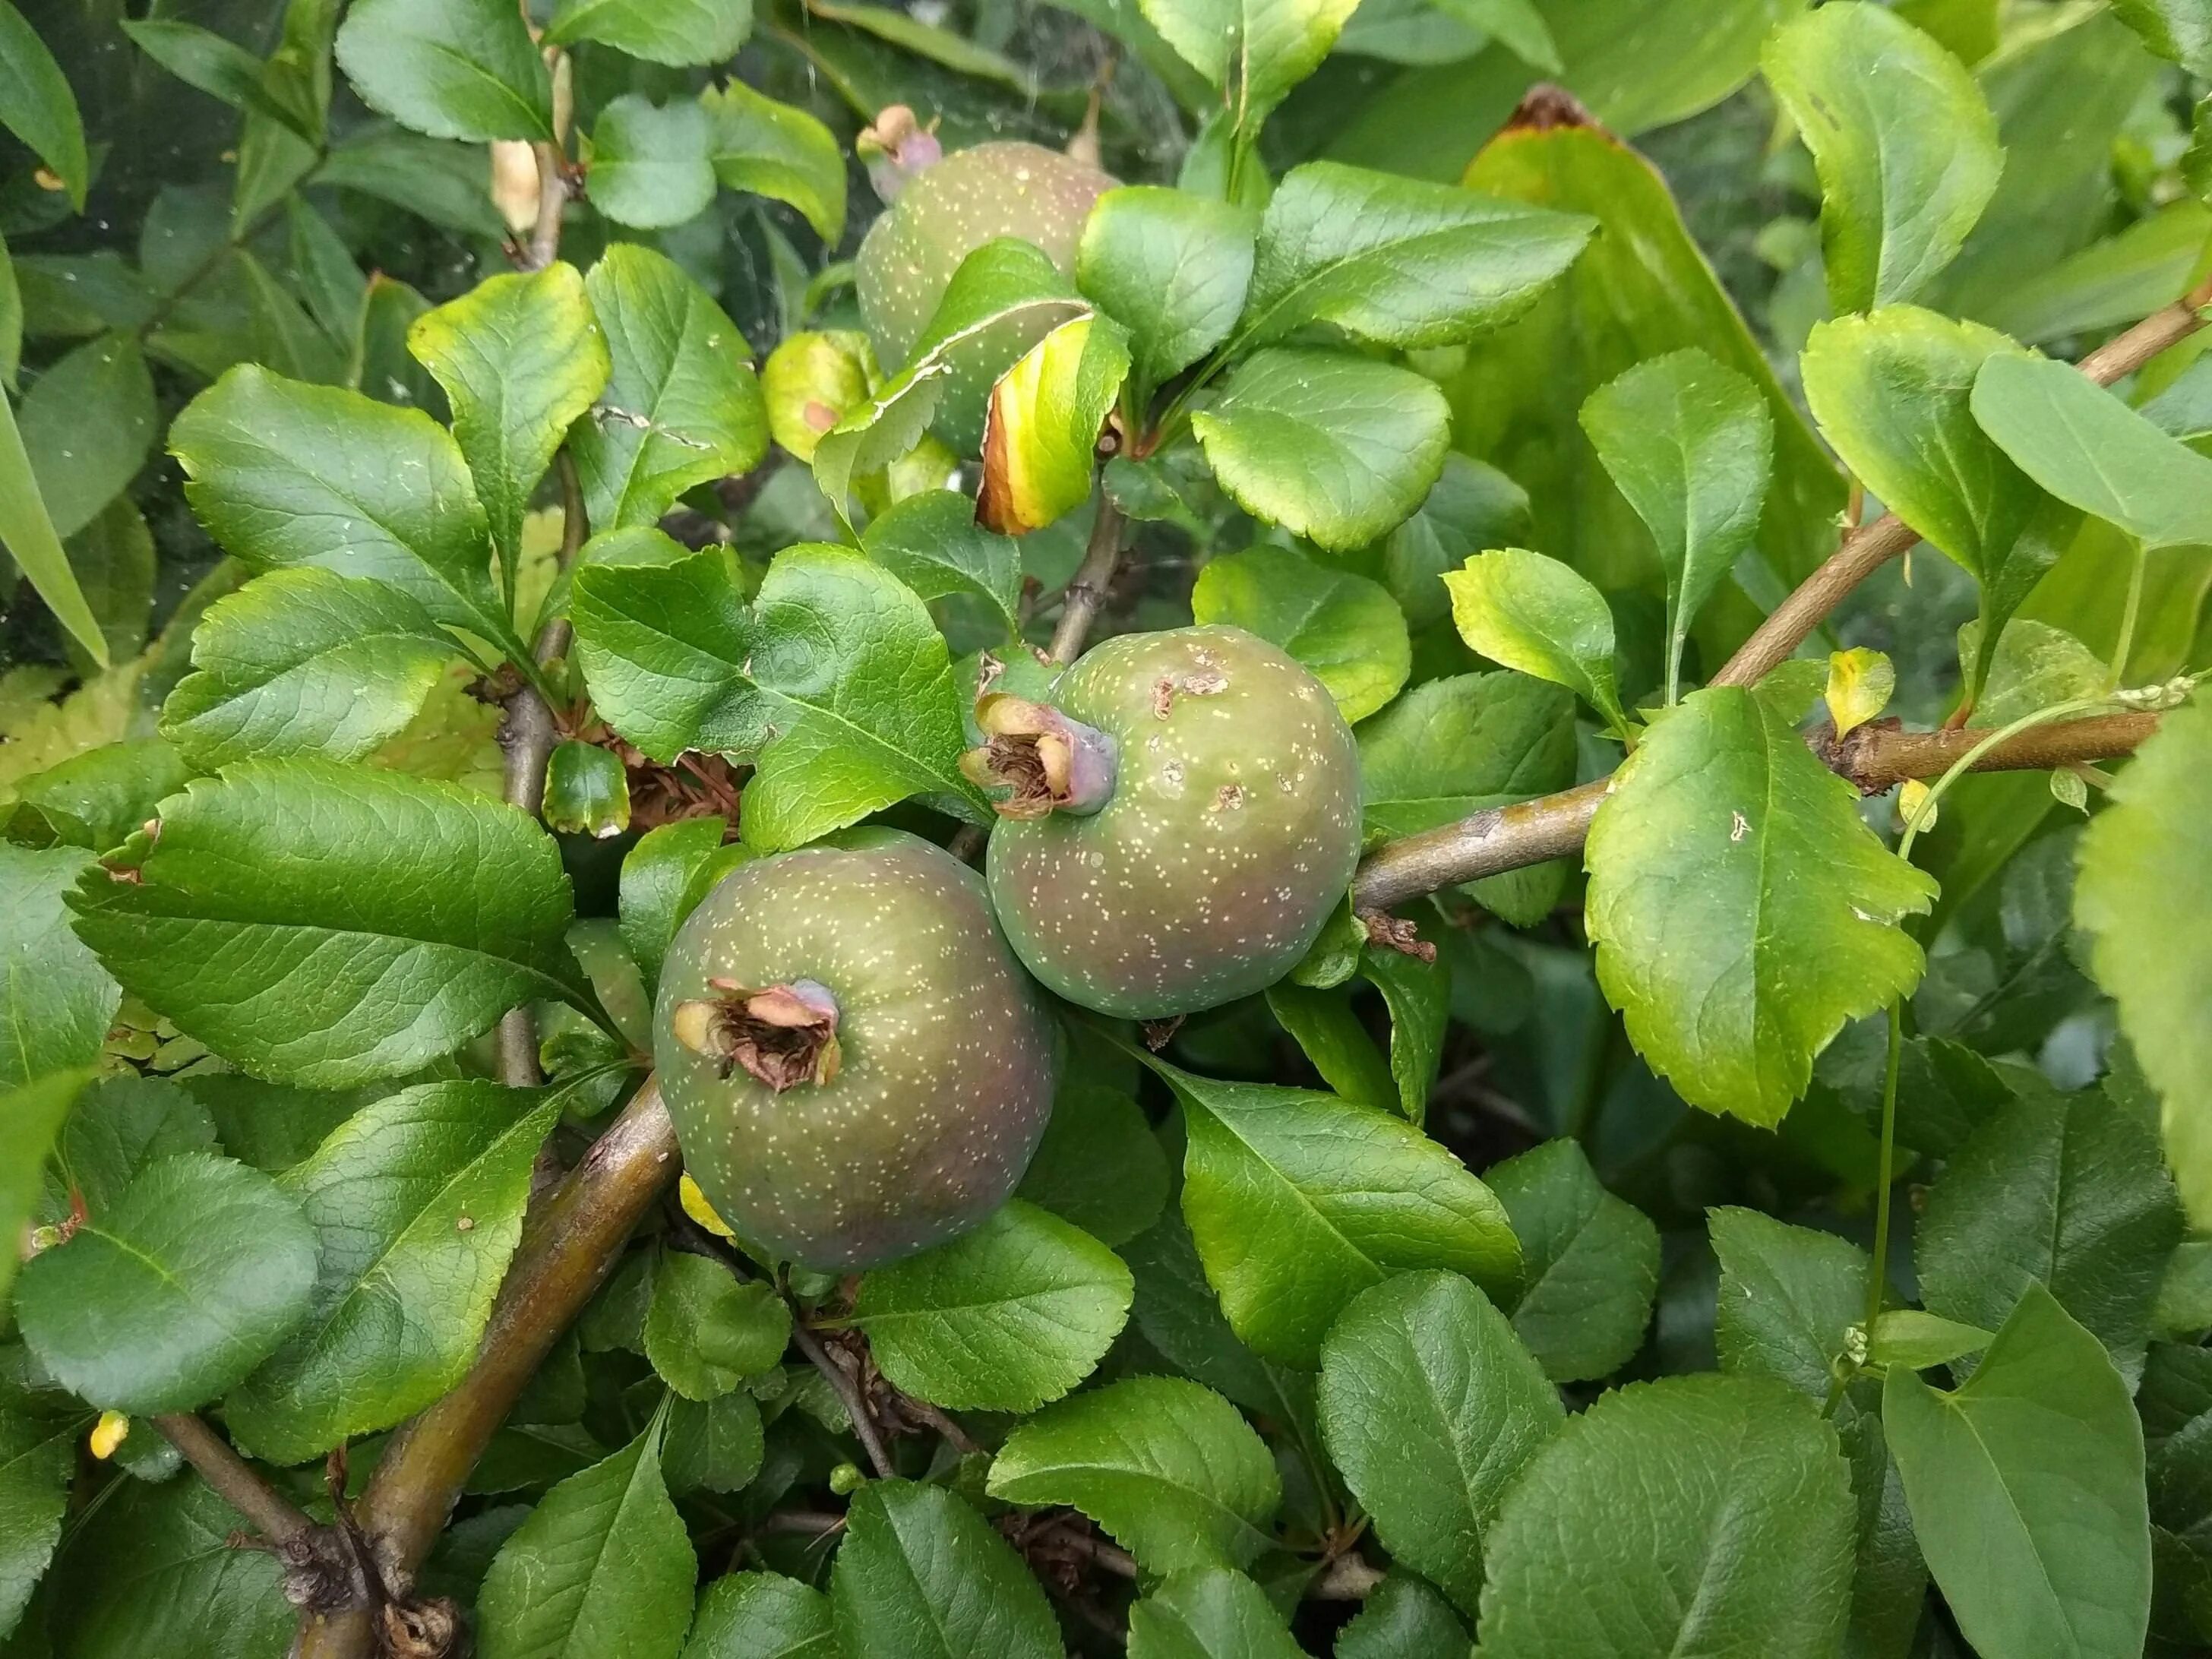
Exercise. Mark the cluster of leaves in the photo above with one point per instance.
(1502, 462)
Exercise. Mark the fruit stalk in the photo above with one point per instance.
(1086, 589)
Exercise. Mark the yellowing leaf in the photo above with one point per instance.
(696, 1206)
(1860, 681)
(1041, 433)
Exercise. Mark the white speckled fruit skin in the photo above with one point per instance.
(1007, 188)
(1232, 833)
(949, 1055)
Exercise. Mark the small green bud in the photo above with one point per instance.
(845, 1480)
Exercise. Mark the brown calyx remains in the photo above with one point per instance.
(1046, 762)
(780, 1034)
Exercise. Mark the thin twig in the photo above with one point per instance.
(1867, 549)
(1086, 589)
(234, 1478)
(848, 1390)
(1553, 826)
(527, 735)
(568, 1247)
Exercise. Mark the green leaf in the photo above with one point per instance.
(1170, 1469)
(1003, 1318)
(1690, 443)
(156, 1561)
(2027, 1488)
(37, 106)
(56, 1000)
(521, 359)
(922, 1575)
(303, 661)
(167, 1299)
(776, 150)
(114, 562)
(1298, 1201)
(1041, 430)
(31, 1116)
(2066, 1191)
(1213, 1613)
(2178, 30)
(664, 878)
(1741, 909)
(601, 1565)
(2089, 449)
(1890, 392)
(416, 1203)
(836, 684)
(1251, 51)
(1171, 268)
(285, 474)
(2143, 897)
(682, 407)
(1453, 747)
(1403, 1619)
(443, 183)
(1330, 1034)
(586, 791)
(463, 69)
(762, 1615)
(36, 1461)
(1348, 630)
(674, 32)
(120, 1125)
(1908, 1337)
(1418, 996)
(200, 58)
(1399, 261)
(330, 925)
(1905, 143)
(1431, 1406)
(1004, 297)
(1177, 1312)
(1471, 506)
(1336, 448)
(1642, 288)
(1589, 1262)
(1788, 1295)
(931, 543)
(650, 166)
(1704, 1513)
(95, 799)
(1099, 1165)
(86, 423)
(706, 1330)
(1536, 616)
(714, 1445)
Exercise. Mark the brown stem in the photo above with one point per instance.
(569, 1246)
(234, 1478)
(545, 243)
(1867, 549)
(848, 1391)
(1877, 758)
(1086, 589)
(1873, 757)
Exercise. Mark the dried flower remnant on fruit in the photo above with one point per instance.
(894, 147)
(1047, 761)
(783, 1035)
